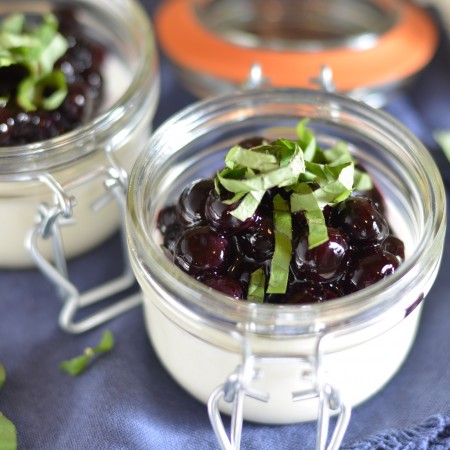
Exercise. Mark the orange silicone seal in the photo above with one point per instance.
(399, 53)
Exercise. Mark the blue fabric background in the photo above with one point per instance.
(128, 401)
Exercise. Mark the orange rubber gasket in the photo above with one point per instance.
(400, 53)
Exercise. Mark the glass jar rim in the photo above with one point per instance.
(361, 307)
(21, 162)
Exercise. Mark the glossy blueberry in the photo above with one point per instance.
(328, 260)
(367, 270)
(361, 221)
(395, 246)
(257, 241)
(302, 292)
(225, 284)
(191, 204)
(200, 250)
(219, 217)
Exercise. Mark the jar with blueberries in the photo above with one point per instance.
(351, 303)
(74, 116)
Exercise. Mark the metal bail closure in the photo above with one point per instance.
(234, 391)
(237, 387)
(256, 79)
(52, 218)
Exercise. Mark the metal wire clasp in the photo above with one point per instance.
(234, 391)
(256, 79)
(48, 226)
(238, 385)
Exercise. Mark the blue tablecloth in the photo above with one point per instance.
(128, 401)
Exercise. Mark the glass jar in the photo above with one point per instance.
(66, 184)
(290, 363)
(290, 40)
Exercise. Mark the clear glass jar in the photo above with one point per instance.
(290, 40)
(318, 354)
(62, 180)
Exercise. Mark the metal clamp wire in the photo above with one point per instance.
(237, 387)
(48, 227)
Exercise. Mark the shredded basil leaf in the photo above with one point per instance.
(267, 166)
(279, 269)
(2, 375)
(256, 287)
(8, 432)
(304, 199)
(79, 364)
(37, 50)
(363, 181)
(311, 176)
(443, 139)
(256, 160)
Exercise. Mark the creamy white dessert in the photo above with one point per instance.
(201, 360)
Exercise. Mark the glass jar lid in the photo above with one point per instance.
(369, 45)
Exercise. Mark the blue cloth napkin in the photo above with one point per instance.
(128, 401)
(433, 433)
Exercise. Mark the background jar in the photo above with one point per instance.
(344, 350)
(70, 172)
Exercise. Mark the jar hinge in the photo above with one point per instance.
(238, 386)
(48, 226)
(256, 79)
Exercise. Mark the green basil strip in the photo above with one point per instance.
(338, 155)
(256, 286)
(255, 184)
(75, 366)
(443, 139)
(8, 434)
(303, 199)
(2, 375)
(57, 81)
(37, 50)
(279, 269)
(248, 205)
(13, 24)
(238, 156)
(362, 181)
(106, 344)
(79, 364)
(331, 194)
(311, 150)
(282, 176)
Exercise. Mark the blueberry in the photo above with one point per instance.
(361, 221)
(200, 250)
(328, 260)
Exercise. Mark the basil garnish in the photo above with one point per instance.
(36, 50)
(311, 179)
